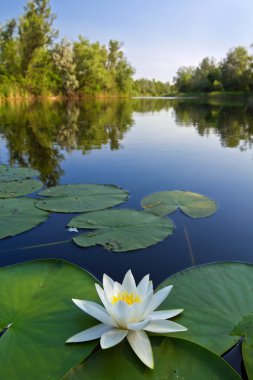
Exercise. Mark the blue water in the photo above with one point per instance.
(143, 146)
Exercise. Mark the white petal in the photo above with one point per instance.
(108, 286)
(164, 327)
(112, 337)
(138, 325)
(140, 308)
(150, 287)
(100, 293)
(103, 298)
(95, 310)
(122, 313)
(129, 283)
(89, 334)
(140, 343)
(143, 285)
(117, 288)
(157, 299)
(165, 314)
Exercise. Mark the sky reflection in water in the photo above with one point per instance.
(143, 146)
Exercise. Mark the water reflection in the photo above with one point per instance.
(36, 134)
(232, 122)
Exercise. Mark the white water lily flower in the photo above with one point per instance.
(128, 312)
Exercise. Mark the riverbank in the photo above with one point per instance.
(213, 95)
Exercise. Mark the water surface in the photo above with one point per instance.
(143, 145)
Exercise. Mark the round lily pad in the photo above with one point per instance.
(19, 215)
(215, 298)
(121, 230)
(14, 189)
(174, 359)
(192, 204)
(81, 197)
(11, 173)
(37, 315)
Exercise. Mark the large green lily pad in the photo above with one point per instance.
(215, 298)
(19, 215)
(121, 230)
(192, 204)
(14, 189)
(81, 198)
(36, 305)
(11, 173)
(245, 329)
(175, 359)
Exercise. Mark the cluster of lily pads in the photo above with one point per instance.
(119, 230)
(37, 316)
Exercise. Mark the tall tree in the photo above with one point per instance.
(9, 50)
(237, 70)
(65, 67)
(91, 61)
(35, 29)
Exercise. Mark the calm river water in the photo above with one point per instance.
(143, 145)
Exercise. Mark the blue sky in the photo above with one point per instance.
(158, 35)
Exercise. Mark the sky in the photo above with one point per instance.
(159, 36)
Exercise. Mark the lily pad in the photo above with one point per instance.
(14, 189)
(121, 230)
(19, 215)
(11, 173)
(215, 298)
(192, 204)
(174, 359)
(245, 329)
(81, 198)
(37, 316)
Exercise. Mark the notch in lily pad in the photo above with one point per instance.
(218, 304)
(192, 204)
(121, 230)
(81, 197)
(245, 329)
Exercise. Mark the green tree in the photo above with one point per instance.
(91, 71)
(236, 70)
(41, 76)
(184, 79)
(205, 75)
(35, 29)
(9, 50)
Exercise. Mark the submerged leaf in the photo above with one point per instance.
(175, 359)
(38, 316)
(11, 173)
(192, 204)
(121, 230)
(81, 197)
(14, 189)
(19, 215)
(215, 298)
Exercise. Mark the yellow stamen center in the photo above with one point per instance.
(129, 298)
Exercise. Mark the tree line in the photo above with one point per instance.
(234, 73)
(33, 61)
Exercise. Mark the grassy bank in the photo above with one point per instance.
(214, 94)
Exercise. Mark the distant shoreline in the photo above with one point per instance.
(201, 95)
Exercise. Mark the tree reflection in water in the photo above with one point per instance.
(37, 133)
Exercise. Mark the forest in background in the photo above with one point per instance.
(34, 62)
